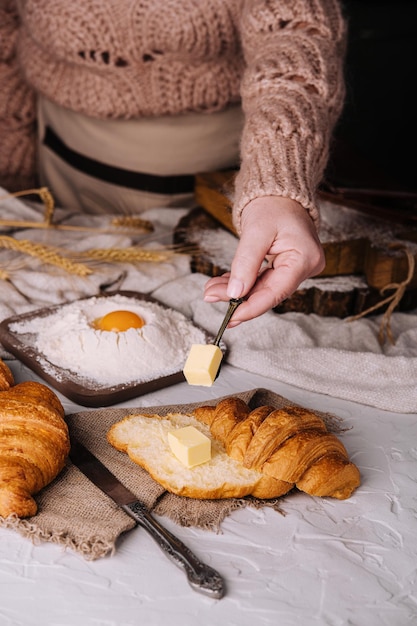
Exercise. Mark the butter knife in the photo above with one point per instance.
(201, 577)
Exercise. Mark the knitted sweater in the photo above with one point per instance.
(282, 59)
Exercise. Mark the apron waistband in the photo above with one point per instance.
(169, 185)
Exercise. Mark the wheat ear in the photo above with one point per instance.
(45, 254)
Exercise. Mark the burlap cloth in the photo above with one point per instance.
(74, 513)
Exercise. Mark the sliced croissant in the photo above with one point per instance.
(291, 445)
(239, 438)
(276, 429)
(223, 417)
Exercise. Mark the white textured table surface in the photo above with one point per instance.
(326, 562)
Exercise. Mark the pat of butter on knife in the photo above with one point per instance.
(190, 446)
(202, 364)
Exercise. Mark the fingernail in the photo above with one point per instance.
(211, 299)
(234, 288)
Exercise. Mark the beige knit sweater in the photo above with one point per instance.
(128, 58)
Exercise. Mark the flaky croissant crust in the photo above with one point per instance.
(6, 376)
(291, 445)
(34, 445)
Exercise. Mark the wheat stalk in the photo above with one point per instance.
(127, 255)
(136, 254)
(132, 222)
(46, 197)
(45, 254)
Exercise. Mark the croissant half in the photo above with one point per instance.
(291, 445)
(34, 445)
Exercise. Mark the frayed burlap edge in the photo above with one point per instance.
(91, 549)
(219, 514)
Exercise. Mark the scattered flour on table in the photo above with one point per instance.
(67, 339)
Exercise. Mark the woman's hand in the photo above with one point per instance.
(280, 231)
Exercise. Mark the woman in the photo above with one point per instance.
(115, 105)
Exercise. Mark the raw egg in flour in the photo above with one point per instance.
(119, 321)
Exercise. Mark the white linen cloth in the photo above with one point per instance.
(326, 355)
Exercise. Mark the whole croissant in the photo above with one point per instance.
(34, 445)
(6, 376)
(290, 444)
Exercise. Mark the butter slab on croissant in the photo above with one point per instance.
(34, 445)
(291, 444)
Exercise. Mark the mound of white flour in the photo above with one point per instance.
(67, 339)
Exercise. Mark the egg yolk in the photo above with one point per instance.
(119, 321)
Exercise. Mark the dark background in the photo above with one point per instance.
(376, 137)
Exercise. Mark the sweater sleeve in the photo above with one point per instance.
(292, 94)
(17, 108)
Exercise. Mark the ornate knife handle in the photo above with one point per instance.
(201, 577)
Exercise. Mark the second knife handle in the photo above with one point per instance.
(201, 577)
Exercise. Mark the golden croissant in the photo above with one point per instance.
(291, 445)
(6, 376)
(34, 445)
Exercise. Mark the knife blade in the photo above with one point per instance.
(201, 577)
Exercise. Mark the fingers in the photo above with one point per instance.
(282, 232)
(253, 247)
(247, 262)
(216, 288)
(273, 285)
